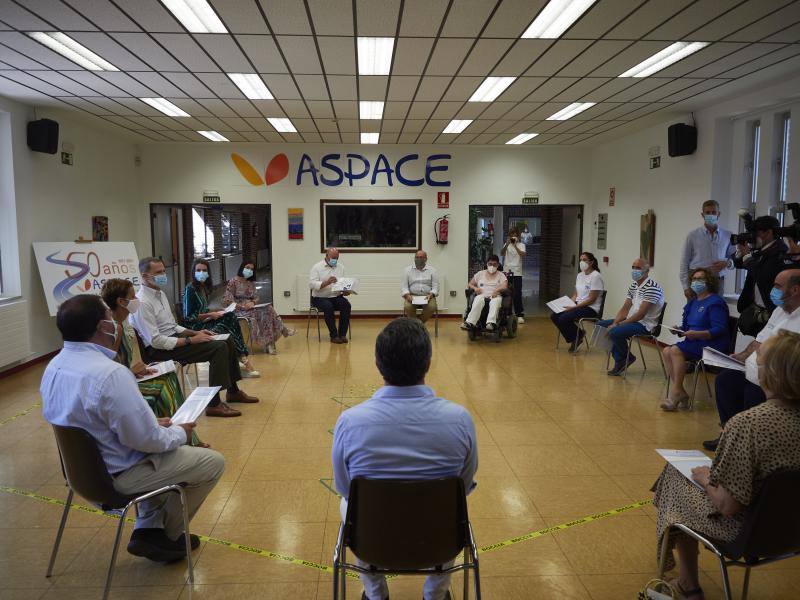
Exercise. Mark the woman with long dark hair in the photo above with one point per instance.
(588, 288)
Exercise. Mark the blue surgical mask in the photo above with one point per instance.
(332, 261)
(776, 296)
(201, 276)
(711, 220)
(247, 273)
(698, 286)
(637, 274)
(161, 279)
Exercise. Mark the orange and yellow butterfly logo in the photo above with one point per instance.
(276, 170)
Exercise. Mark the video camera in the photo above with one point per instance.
(748, 236)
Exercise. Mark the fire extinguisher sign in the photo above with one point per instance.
(442, 199)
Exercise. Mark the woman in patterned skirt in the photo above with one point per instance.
(197, 316)
(267, 326)
(754, 444)
(162, 393)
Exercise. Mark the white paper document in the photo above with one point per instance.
(262, 305)
(419, 300)
(676, 330)
(345, 284)
(160, 368)
(685, 461)
(194, 405)
(230, 308)
(715, 358)
(221, 337)
(560, 304)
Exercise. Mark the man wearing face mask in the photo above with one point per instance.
(84, 387)
(707, 247)
(420, 279)
(321, 279)
(513, 252)
(638, 315)
(736, 391)
(488, 286)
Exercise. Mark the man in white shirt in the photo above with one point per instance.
(83, 387)
(639, 314)
(164, 339)
(420, 279)
(737, 391)
(488, 286)
(707, 247)
(513, 252)
(328, 300)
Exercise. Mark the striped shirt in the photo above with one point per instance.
(702, 249)
(651, 292)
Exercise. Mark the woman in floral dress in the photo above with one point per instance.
(267, 326)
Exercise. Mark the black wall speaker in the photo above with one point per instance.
(682, 139)
(43, 136)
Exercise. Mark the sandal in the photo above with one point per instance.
(673, 403)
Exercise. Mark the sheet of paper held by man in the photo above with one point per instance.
(559, 305)
(345, 284)
(230, 308)
(685, 461)
(194, 405)
(221, 337)
(419, 300)
(159, 369)
(715, 358)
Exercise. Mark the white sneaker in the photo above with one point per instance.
(520, 320)
(271, 349)
(250, 374)
(464, 326)
(490, 327)
(289, 332)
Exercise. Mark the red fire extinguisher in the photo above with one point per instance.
(440, 227)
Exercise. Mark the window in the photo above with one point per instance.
(231, 230)
(751, 166)
(9, 247)
(203, 236)
(782, 162)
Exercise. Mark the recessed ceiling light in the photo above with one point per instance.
(282, 124)
(251, 86)
(165, 106)
(196, 15)
(661, 60)
(570, 111)
(556, 18)
(522, 138)
(69, 48)
(457, 125)
(370, 109)
(375, 55)
(491, 88)
(214, 136)
(370, 138)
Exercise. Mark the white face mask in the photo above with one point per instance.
(492, 269)
(111, 335)
(133, 305)
(584, 266)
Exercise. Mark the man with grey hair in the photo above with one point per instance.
(420, 279)
(327, 300)
(707, 247)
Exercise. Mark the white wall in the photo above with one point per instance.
(56, 202)
(180, 173)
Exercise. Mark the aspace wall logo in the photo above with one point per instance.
(90, 273)
(344, 169)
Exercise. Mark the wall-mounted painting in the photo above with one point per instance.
(371, 225)
(100, 229)
(647, 237)
(295, 223)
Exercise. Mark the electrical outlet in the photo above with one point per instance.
(286, 293)
(452, 293)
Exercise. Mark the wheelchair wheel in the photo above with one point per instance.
(511, 327)
(473, 334)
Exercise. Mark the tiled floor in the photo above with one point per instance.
(558, 439)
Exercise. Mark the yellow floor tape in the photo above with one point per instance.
(20, 414)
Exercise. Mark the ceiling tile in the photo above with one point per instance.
(402, 87)
(447, 55)
(523, 86)
(267, 108)
(522, 110)
(707, 55)
(611, 110)
(693, 90)
(432, 88)
(467, 18)
(152, 16)
(484, 56)
(521, 56)
(237, 124)
(312, 137)
(552, 87)
(34, 50)
(422, 17)
(253, 136)
(240, 17)
(372, 87)
(35, 83)
(125, 82)
(582, 90)
(263, 53)
(20, 18)
(259, 124)
(89, 105)
(351, 125)
(612, 87)
(338, 55)
(388, 138)
(345, 109)
(320, 109)
(244, 107)
(739, 17)
(312, 87)
(17, 60)
(647, 17)
(628, 57)
(184, 49)
(158, 83)
(421, 110)
(414, 125)
(126, 107)
(224, 50)
(406, 138)
(593, 57)
(104, 15)
(435, 126)
(410, 55)
(734, 59)
(688, 20)
(763, 62)
(190, 85)
(343, 87)
(281, 86)
(149, 51)
(218, 108)
(332, 17)
(96, 83)
(559, 54)
(497, 110)
(462, 88)
(446, 110)
(602, 17)
(59, 15)
(642, 86)
(768, 25)
(512, 18)
(472, 110)
(391, 126)
(300, 53)
(65, 83)
(321, 124)
(377, 18)
(789, 34)
(395, 110)
(220, 84)
(294, 109)
(330, 138)
(286, 17)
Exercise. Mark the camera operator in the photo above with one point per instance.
(763, 258)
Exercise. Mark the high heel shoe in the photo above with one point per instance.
(673, 403)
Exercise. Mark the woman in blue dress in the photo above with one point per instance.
(705, 323)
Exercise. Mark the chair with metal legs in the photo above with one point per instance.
(313, 310)
(581, 323)
(653, 337)
(85, 472)
(435, 317)
(733, 332)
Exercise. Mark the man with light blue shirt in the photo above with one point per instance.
(707, 247)
(83, 387)
(404, 432)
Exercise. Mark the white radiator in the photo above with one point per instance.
(14, 332)
(376, 293)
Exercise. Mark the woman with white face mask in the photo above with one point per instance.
(162, 393)
(587, 298)
(265, 322)
(488, 286)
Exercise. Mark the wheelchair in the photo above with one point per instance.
(506, 319)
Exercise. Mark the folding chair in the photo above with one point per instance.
(86, 473)
(581, 323)
(770, 532)
(699, 365)
(653, 337)
(402, 527)
(435, 317)
(313, 310)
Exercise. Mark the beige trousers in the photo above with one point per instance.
(410, 310)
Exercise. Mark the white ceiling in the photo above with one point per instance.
(305, 53)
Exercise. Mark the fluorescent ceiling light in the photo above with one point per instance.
(370, 138)
(196, 15)
(491, 88)
(661, 60)
(522, 138)
(556, 18)
(165, 106)
(69, 48)
(375, 55)
(214, 136)
(457, 125)
(370, 109)
(282, 124)
(251, 86)
(570, 111)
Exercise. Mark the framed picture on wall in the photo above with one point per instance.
(100, 229)
(371, 225)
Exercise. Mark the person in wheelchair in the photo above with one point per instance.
(488, 287)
